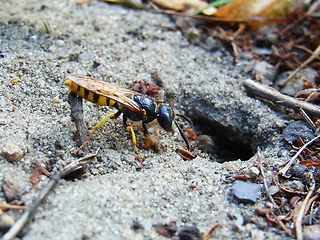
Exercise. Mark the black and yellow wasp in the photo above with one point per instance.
(132, 105)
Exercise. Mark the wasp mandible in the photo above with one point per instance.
(132, 105)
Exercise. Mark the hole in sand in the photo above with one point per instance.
(227, 146)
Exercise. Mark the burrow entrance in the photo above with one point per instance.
(226, 145)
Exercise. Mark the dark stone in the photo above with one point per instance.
(298, 129)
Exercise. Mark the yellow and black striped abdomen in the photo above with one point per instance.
(89, 95)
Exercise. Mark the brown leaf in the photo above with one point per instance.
(37, 172)
(181, 5)
(185, 154)
(253, 8)
(166, 230)
(250, 8)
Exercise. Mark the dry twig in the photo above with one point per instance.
(9, 206)
(314, 55)
(16, 228)
(210, 233)
(281, 223)
(275, 96)
(264, 180)
(284, 170)
(298, 222)
(308, 119)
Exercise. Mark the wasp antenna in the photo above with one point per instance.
(183, 136)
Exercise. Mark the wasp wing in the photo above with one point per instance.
(108, 90)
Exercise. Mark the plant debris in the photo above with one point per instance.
(37, 172)
(167, 229)
(15, 229)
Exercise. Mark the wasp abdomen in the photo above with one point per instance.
(89, 95)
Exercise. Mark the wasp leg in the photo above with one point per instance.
(146, 136)
(134, 141)
(111, 115)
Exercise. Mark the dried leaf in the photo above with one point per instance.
(254, 8)
(309, 163)
(145, 88)
(185, 154)
(250, 8)
(37, 172)
(181, 5)
(166, 230)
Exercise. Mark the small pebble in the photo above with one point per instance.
(298, 171)
(295, 185)
(12, 152)
(6, 222)
(311, 232)
(12, 190)
(245, 191)
(56, 100)
(266, 70)
(136, 225)
(254, 172)
(60, 43)
(273, 190)
(189, 233)
(298, 129)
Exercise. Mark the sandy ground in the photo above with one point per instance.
(129, 44)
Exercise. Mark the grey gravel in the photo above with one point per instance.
(266, 70)
(129, 45)
(246, 192)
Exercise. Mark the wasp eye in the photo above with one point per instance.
(166, 116)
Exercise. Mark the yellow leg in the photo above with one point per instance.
(111, 115)
(134, 142)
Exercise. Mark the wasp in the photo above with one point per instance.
(132, 105)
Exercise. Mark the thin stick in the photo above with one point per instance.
(308, 119)
(309, 204)
(298, 223)
(210, 233)
(284, 170)
(314, 55)
(264, 180)
(9, 206)
(281, 223)
(16, 228)
(275, 96)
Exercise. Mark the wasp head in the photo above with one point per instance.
(166, 117)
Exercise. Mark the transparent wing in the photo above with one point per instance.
(115, 93)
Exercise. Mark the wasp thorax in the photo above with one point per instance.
(166, 117)
(148, 104)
